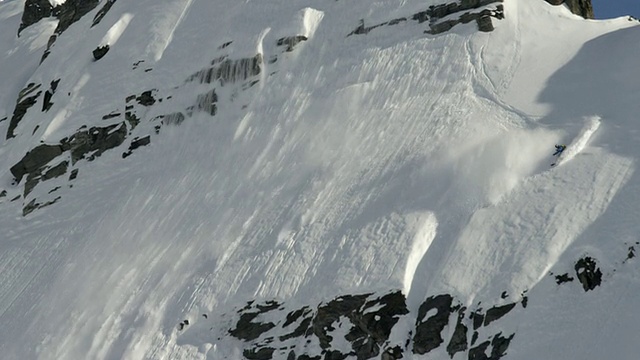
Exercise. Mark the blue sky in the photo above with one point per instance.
(604, 9)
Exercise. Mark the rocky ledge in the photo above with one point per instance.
(361, 327)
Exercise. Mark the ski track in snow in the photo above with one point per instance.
(391, 160)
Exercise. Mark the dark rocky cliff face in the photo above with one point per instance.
(68, 13)
(359, 326)
(578, 7)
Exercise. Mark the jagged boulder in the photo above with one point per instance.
(100, 52)
(589, 273)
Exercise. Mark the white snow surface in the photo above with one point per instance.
(367, 163)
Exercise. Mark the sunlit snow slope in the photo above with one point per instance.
(329, 163)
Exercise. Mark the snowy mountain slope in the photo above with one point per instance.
(290, 158)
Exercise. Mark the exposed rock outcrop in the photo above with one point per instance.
(229, 71)
(35, 160)
(428, 331)
(100, 52)
(136, 143)
(364, 323)
(497, 312)
(564, 278)
(67, 13)
(458, 340)
(436, 12)
(24, 102)
(290, 42)
(102, 12)
(71, 11)
(47, 104)
(34, 11)
(91, 143)
(583, 8)
(588, 273)
(499, 345)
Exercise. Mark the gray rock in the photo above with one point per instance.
(30, 207)
(146, 98)
(631, 254)
(56, 171)
(421, 16)
(229, 71)
(291, 41)
(330, 313)
(588, 273)
(67, 13)
(71, 11)
(102, 12)
(458, 342)
(47, 104)
(100, 52)
(336, 355)
(24, 103)
(34, 11)
(428, 332)
(136, 143)
(96, 141)
(500, 345)
(35, 159)
(469, 4)
(497, 312)
(561, 279)
(173, 119)
(246, 329)
(265, 353)
(36, 176)
(485, 24)
(441, 27)
(132, 119)
(479, 352)
(393, 353)
(300, 330)
(33, 205)
(583, 8)
(207, 102)
(477, 318)
(111, 115)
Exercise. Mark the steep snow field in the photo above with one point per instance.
(363, 163)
